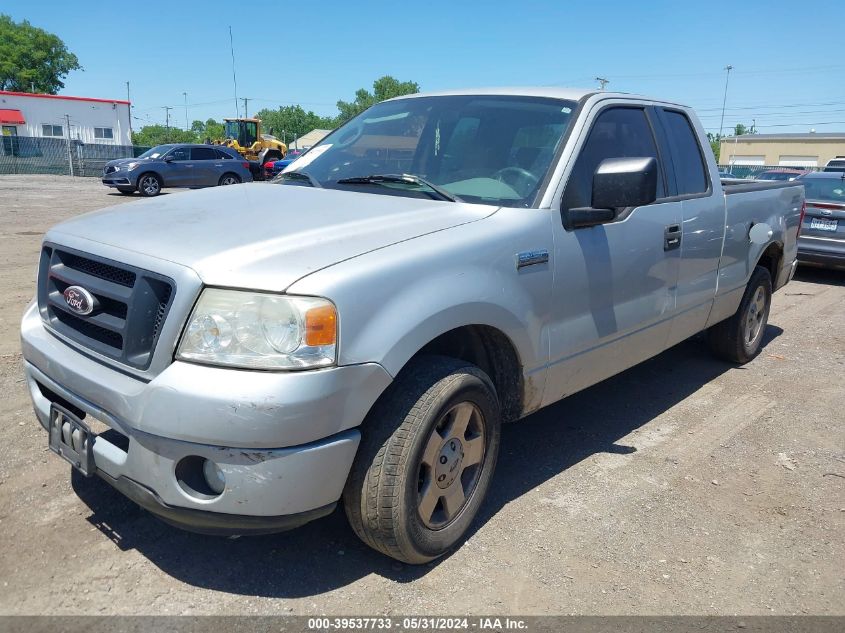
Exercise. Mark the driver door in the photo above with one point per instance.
(177, 170)
(615, 283)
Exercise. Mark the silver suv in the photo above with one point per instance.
(176, 165)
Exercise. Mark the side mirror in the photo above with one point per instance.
(625, 182)
(169, 158)
(617, 183)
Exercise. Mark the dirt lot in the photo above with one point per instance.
(681, 486)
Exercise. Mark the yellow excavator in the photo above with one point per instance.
(245, 137)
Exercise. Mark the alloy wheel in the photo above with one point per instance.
(451, 464)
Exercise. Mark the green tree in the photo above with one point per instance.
(715, 144)
(386, 87)
(151, 135)
(210, 130)
(31, 59)
(740, 129)
(292, 121)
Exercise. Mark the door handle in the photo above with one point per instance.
(672, 237)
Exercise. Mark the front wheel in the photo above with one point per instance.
(739, 338)
(149, 185)
(427, 456)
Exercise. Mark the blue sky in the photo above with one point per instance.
(787, 57)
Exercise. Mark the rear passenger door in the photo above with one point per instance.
(703, 211)
(206, 164)
(614, 284)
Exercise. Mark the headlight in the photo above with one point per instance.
(131, 166)
(260, 331)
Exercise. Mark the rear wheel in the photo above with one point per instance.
(149, 185)
(739, 338)
(229, 179)
(427, 455)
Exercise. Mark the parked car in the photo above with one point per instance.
(273, 168)
(836, 164)
(448, 262)
(822, 238)
(176, 165)
(781, 174)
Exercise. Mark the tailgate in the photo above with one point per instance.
(824, 219)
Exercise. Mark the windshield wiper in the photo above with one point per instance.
(300, 175)
(408, 179)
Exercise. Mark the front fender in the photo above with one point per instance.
(393, 301)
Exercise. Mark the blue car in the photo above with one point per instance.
(176, 165)
(274, 168)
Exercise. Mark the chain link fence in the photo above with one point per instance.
(28, 155)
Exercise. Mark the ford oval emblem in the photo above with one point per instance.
(79, 300)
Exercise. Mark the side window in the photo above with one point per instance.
(616, 133)
(203, 153)
(690, 172)
(180, 153)
(221, 154)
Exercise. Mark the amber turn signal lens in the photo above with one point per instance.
(321, 326)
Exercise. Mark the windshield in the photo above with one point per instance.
(244, 132)
(155, 152)
(484, 149)
(829, 189)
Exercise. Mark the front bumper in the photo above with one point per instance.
(284, 441)
(115, 180)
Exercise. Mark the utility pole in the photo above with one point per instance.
(185, 94)
(728, 70)
(753, 126)
(246, 100)
(234, 76)
(167, 110)
(603, 82)
(69, 154)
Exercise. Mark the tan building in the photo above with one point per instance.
(786, 150)
(306, 141)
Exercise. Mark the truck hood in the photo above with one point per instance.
(263, 236)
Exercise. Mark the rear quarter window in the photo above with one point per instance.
(690, 173)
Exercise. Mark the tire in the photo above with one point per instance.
(126, 191)
(229, 179)
(403, 494)
(149, 185)
(271, 154)
(739, 338)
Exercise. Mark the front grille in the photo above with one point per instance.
(132, 303)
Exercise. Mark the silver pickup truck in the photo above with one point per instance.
(240, 360)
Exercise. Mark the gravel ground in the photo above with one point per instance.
(682, 486)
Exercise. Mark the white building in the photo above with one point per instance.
(97, 121)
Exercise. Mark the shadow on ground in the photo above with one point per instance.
(816, 275)
(325, 555)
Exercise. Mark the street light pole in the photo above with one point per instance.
(603, 82)
(185, 94)
(728, 70)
